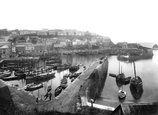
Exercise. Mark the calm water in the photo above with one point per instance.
(146, 69)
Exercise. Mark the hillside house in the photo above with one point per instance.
(123, 44)
(79, 33)
(42, 33)
(93, 41)
(5, 51)
(40, 48)
(20, 49)
(76, 42)
(29, 47)
(52, 32)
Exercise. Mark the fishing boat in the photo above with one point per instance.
(136, 85)
(42, 76)
(74, 68)
(120, 81)
(62, 67)
(127, 80)
(32, 87)
(120, 78)
(19, 73)
(38, 79)
(54, 66)
(74, 75)
(53, 61)
(13, 78)
(5, 74)
(58, 90)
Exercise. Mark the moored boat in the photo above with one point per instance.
(58, 90)
(42, 76)
(32, 87)
(62, 67)
(136, 85)
(19, 73)
(74, 75)
(5, 74)
(13, 78)
(121, 94)
(74, 68)
(120, 79)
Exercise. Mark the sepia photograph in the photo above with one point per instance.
(78, 57)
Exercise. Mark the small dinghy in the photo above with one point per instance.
(121, 94)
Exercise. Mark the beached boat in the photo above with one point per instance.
(58, 90)
(127, 80)
(32, 87)
(136, 86)
(121, 94)
(74, 75)
(64, 80)
(74, 68)
(120, 79)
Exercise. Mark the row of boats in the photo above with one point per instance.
(63, 84)
(16, 75)
(45, 74)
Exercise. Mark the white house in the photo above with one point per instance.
(76, 42)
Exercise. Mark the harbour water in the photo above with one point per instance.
(146, 69)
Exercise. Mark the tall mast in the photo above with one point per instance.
(134, 69)
(119, 67)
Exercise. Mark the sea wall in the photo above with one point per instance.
(67, 100)
(94, 85)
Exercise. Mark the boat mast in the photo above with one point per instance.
(134, 70)
(119, 67)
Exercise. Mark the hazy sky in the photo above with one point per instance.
(121, 20)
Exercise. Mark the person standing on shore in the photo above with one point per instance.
(49, 93)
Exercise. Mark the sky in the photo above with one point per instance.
(121, 20)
